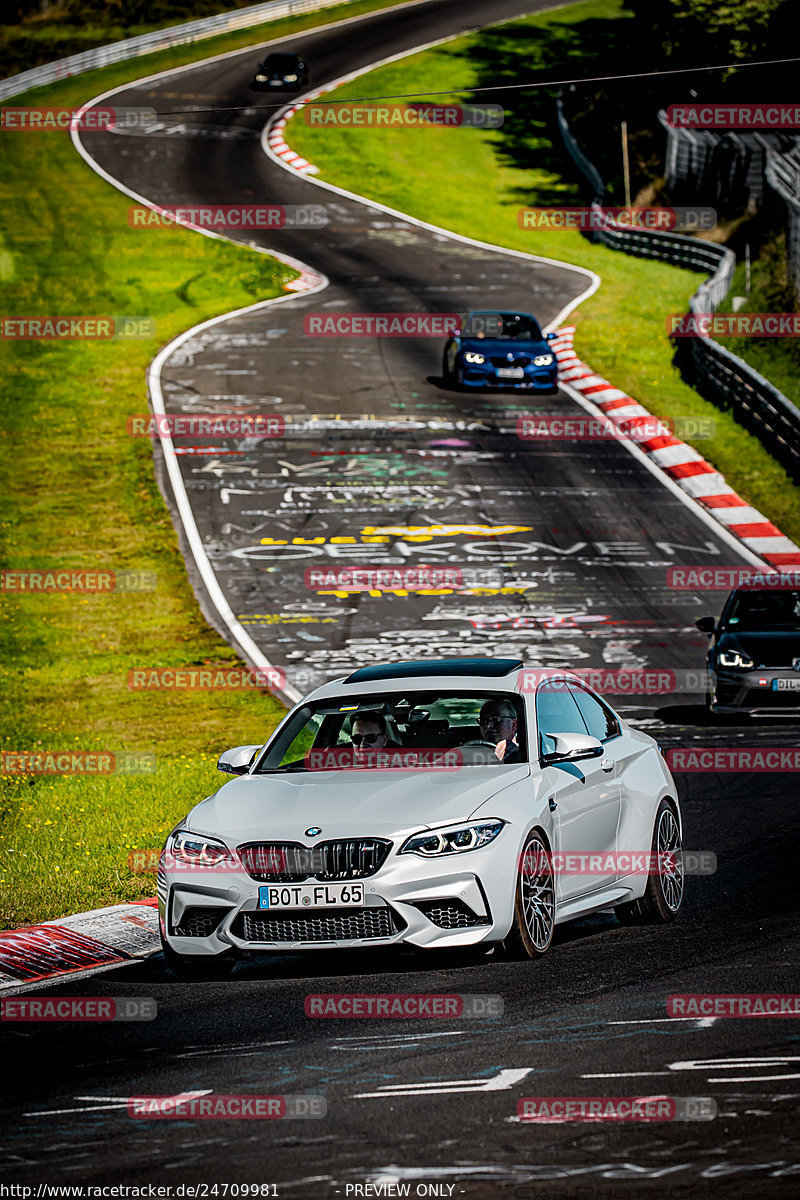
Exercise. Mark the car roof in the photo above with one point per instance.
(445, 674)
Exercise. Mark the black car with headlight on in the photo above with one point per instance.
(501, 350)
(754, 658)
(280, 72)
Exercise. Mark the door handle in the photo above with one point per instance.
(607, 764)
(551, 800)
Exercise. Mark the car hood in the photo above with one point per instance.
(497, 347)
(767, 649)
(347, 803)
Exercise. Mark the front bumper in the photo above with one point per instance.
(458, 900)
(535, 379)
(756, 692)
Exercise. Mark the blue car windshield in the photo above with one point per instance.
(504, 327)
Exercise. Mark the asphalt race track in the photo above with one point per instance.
(581, 537)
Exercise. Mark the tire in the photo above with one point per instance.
(663, 895)
(447, 374)
(198, 966)
(534, 902)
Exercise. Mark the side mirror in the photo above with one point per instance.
(572, 747)
(550, 337)
(706, 625)
(237, 761)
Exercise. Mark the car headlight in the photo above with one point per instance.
(457, 840)
(543, 360)
(195, 850)
(261, 79)
(472, 356)
(732, 658)
(290, 79)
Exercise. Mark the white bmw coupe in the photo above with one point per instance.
(442, 803)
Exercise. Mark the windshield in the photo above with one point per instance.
(401, 731)
(764, 611)
(502, 326)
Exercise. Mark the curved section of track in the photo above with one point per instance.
(384, 465)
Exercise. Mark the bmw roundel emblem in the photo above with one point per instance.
(313, 831)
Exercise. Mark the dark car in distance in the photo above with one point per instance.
(280, 72)
(754, 657)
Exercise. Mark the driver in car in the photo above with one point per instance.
(370, 732)
(498, 724)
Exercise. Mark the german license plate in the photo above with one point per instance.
(786, 685)
(510, 373)
(310, 895)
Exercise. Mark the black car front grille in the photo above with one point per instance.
(288, 862)
(199, 922)
(333, 925)
(451, 914)
(522, 360)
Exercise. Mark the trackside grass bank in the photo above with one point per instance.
(475, 181)
(81, 495)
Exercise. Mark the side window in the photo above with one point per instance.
(556, 712)
(600, 720)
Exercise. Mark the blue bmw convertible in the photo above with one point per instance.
(500, 350)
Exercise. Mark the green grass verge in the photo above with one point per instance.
(778, 359)
(474, 182)
(81, 494)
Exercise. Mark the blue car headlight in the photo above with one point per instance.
(472, 356)
(543, 360)
(458, 839)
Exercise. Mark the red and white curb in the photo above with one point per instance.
(77, 945)
(682, 463)
(278, 146)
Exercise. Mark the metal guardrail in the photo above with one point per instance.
(718, 374)
(162, 39)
